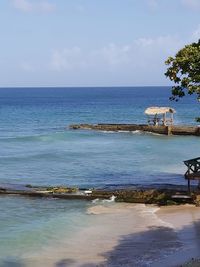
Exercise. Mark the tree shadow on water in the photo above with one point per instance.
(65, 263)
(12, 263)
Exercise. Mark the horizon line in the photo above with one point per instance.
(113, 86)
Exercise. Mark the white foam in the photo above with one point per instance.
(108, 131)
(136, 132)
(123, 131)
(111, 199)
(98, 209)
(151, 209)
(102, 201)
(95, 201)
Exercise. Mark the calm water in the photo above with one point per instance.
(37, 148)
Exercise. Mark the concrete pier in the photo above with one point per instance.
(159, 129)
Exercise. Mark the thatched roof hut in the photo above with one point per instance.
(159, 110)
(156, 112)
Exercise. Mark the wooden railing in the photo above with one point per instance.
(193, 170)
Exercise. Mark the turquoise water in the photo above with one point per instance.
(29, 225)
(37, 147)
(39, 222)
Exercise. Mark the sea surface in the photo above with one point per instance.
(37, 147)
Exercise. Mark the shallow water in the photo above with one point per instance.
(69, 233)
(37, 148)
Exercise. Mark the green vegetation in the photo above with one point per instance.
(184, 71)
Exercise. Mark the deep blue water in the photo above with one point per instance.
(37, 147)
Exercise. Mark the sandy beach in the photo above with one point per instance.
(128, 235)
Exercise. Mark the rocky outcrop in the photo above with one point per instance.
(156, 196)
(150, 196)
(159, 129)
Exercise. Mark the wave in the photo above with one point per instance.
(110, 200)
(53, 136)
(137, 132)
(108, 132)
(145, 213)
(121, 131)
(31, 157)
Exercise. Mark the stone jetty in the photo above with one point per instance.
(158, 129)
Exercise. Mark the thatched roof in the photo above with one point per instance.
(159, 110)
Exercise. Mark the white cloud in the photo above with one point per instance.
(37, 6)
(140, 62)
(22, 5)
(111, 55)
(74, 58)
(192, 4)
(67, 59)
(164, 42)
(141, 55)
(153, 4)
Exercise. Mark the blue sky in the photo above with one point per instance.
(92, 42)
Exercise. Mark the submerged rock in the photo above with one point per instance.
(53, 189)
(163, 196)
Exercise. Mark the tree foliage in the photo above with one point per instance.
(184, 71)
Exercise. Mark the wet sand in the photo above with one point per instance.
(137, 235)
(127, 235)
(186, 222)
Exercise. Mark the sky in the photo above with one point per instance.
(93, 42)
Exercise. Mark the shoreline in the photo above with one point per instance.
(121, 234)
(139, 233)
(160, 195)
(186, 222)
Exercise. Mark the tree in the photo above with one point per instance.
(184, 71)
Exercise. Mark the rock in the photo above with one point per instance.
(197, 200)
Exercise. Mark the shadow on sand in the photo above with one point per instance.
(145, 249)
(138, 250)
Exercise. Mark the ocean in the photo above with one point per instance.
(38, 148)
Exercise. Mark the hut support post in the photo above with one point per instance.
(164, 119)
(193, 170)
(169, 130)
(189, 186)
(172, 118)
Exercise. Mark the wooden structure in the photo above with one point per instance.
(193, 171)
(159, 115)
